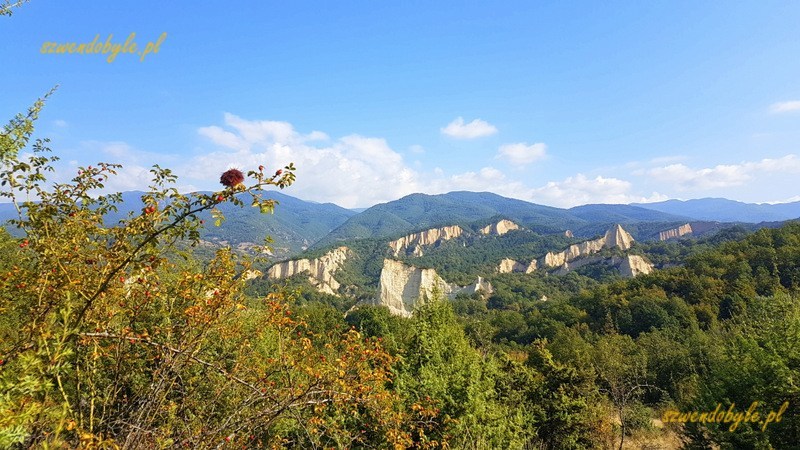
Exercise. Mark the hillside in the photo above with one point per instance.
(419, 211)
(623, 214)
(294, 225)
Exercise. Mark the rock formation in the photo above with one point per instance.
(403, 286)
(480, 285)
(634, 265)
(569, 234)
(320, 270)
(414, 242)
(614, 237)
(675, 232)
(618, 237)
(509, 265)
(500, 228)
(580, 254)
(629, 266)
(572, 265)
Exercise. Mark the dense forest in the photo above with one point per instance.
(120, 336)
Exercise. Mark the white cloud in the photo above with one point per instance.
(475, 129)
(684, 177)
(723, 175)
(485, 179)
(417, 149)
(60, 123)
(351, 171)
(247, 133)
(136, 164)
(357, 171)
(521, 153)
(784, 107)
(581, 190)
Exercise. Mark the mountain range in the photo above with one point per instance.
(724, 210)
(297, 225)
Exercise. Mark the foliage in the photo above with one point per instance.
(757, 358)
(105, 342)
(7, 6)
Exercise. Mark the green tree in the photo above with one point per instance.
(754, 357)
(452, 386)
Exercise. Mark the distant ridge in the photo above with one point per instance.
(298, 224)
(612, 213)
(724, 210)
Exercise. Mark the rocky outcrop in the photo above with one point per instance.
(572, 265)
(509, 265)
(628, 266)
(500, 228)
(579, 255)
(675, 232)
(634, 265)
(402, 287)
(413, 243)
(616, 237)
(320, 270)
(479, 286)
(569, 234)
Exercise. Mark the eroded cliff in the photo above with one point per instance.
(508, 265)
(634, 265)
(675, 232)
(615, 237)
(413, 243)
(320, 270)
(402, 287)
(500, 228)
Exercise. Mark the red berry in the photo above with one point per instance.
(260, 168)
(278, 172)
(220, 198)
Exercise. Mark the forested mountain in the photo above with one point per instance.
(294, 225)
(623, 214)
(420, 211)
(297, 224)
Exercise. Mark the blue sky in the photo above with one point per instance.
(559, 103)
